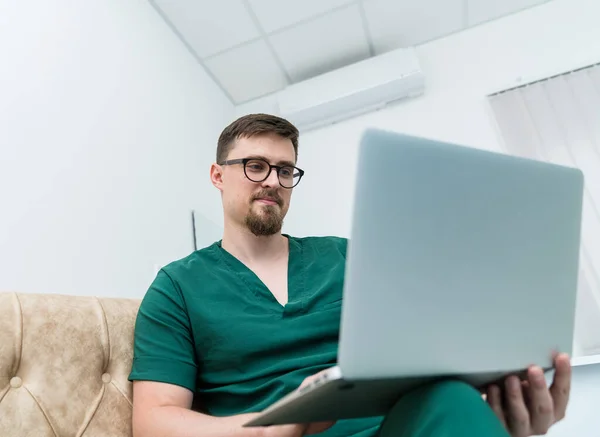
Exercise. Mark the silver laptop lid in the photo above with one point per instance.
(460, 260)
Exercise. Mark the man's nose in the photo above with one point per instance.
(272, 180)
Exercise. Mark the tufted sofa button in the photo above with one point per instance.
(106, 378)
(16, 382)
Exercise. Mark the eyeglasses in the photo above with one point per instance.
(258, 170)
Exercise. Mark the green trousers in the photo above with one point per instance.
(446, 409)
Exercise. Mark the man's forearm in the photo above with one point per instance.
(170, 421)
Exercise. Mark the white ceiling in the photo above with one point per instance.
(256, 47)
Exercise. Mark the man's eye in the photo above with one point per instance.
(256, 167)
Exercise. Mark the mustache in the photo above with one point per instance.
(266, 193)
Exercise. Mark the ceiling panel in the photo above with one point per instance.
(247, 72)
(322, 44)
(255, 47)
(403, 23)
(277, 14)
(480, 11)
(210, 26)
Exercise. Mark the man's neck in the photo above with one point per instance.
(249, 248)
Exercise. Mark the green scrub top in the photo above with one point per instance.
(209, 324)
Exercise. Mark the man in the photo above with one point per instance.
(228, 330)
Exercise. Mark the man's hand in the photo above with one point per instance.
(529, 407)
(296, 430)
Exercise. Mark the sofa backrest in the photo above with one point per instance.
(64, 363)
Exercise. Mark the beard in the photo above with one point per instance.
(269, 220)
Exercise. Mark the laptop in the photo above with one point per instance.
(461, 264)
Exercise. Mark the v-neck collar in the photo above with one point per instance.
(295, 277)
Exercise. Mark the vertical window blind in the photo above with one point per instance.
(558, 120)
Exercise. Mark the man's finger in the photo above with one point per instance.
(318, 427)
(516, 413)
(561, 386)
(541, 408)
(309, 379)
(526, 390)
(494, 399)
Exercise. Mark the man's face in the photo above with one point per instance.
(260, 206)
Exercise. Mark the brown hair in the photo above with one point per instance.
(250, 125)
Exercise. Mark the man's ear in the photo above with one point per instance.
(216, 176)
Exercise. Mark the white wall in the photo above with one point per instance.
(107, 128)
(582, 413)
(460, 71)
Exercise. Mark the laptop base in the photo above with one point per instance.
(339, 399)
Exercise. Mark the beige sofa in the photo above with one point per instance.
(64, 362)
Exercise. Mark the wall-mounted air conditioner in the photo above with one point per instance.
(352, 90)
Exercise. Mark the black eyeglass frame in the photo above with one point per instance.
(277, 168)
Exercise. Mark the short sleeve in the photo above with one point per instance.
(163, 348)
